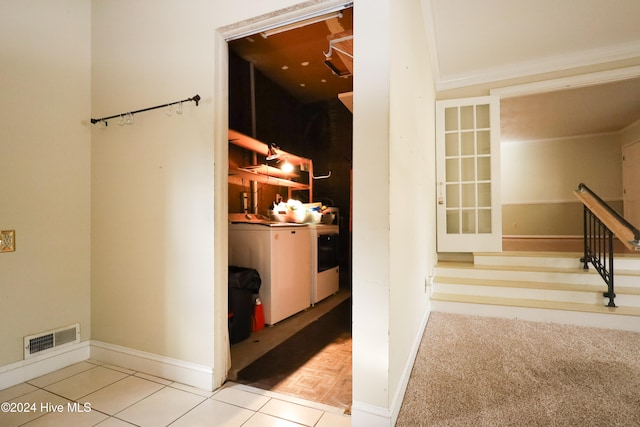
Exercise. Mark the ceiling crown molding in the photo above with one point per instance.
(581, 80)
(539, 66)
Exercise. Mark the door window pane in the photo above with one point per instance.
(484, 221)
(452, 170)
(451, 119)
(467, 117)
(469, 195)
(484, 195)
(468, 221)
(468, 143)
(484, 168)
(484, 142)
(453, 222)
(468, 169)
(482, 116)
(453, 196)
(451, 145)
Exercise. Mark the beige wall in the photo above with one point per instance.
(394, 243)
(538, 178)
(631, 134)
(44, 168)
(412, 187)
(152, 182)
(154, 243)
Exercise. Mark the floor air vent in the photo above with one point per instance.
(37, 344)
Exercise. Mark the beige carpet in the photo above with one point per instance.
(476, 371)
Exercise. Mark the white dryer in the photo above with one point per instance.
(325, 261)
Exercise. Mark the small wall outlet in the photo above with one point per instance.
(7, 241)
(428, 285)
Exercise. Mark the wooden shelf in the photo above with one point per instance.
(248, 143)
(267, 174)
(238, 175)
(271, 171)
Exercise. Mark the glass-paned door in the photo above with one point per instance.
(468, 169)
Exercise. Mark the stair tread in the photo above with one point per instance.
(549, 254)
(529, 303)
(576, 270)
(531, 254)
(524, 284)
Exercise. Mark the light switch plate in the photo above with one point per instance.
(7, 240)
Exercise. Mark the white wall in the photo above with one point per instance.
(152, 182)
(44, 169)
(412, 189)
(393, 217)
(371, 208)
(159, 186)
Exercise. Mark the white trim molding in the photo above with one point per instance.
(279, 18)
(25, 370)
(572, 82)
(164, 367)
(398, 397)
(366, 415)
(539, 66)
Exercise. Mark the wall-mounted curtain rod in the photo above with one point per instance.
(195, 98)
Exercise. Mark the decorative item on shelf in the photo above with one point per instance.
(295, 211)
(273, 152)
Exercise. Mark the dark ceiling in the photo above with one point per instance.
(295, 59)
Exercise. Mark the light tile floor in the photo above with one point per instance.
(91, 393)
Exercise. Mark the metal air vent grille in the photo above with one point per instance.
(36, 344)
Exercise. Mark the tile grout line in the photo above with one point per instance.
(270, 396)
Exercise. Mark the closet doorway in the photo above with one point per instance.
(291, 85)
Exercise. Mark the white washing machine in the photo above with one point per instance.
(281, 253)
(325, 260)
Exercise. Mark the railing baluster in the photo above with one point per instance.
(610, 294)
(598, 250)
(601, 222)
(586, 238)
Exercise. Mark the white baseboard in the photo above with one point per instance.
(365, 415)
(25, 370)
(398, 397)
(164, 367)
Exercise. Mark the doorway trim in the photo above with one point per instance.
(298, 12)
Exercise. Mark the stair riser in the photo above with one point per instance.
(598, 320)
(624, 300)
(588, 297)
(527, 261)
(630, 264)
(627, 264)
(522, 293)
(589, 277)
